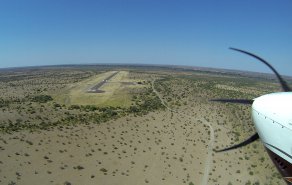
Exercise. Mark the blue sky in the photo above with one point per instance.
(180, 32)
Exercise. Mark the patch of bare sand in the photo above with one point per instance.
(238, 89)
(160, 148)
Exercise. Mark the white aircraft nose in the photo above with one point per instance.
(276, 107)
(272, 115)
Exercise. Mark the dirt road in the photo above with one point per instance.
(209, 158)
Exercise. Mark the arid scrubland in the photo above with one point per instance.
(52, 134)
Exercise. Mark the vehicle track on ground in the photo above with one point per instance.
(209, 158)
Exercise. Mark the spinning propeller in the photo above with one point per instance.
(284, 86)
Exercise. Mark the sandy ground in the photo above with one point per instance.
(159, 148)
(162, 147)
(155, 149)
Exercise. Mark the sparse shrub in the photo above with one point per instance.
(41, 98)
(79, 167)
(103, 170)
(67, 183)
(74, 107)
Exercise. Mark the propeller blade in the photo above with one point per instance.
(246, 142)
(283, 83)
(241, 101)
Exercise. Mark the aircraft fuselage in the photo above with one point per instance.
(272, 116)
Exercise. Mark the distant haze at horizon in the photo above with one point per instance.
(171, 66)
(191, 33)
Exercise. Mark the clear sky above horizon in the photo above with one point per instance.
(185, 32)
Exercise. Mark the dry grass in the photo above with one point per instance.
(116, 92)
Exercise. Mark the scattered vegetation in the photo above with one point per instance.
(39, 111)
(95, 142)
(41, 98)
